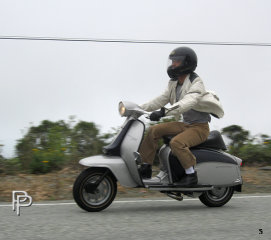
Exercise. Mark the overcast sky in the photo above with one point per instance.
(53, 80)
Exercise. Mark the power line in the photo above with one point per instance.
(29, 38)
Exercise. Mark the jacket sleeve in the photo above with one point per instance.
(157, 102)
(190, 99)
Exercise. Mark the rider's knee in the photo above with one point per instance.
(176, 145)
(153, 131)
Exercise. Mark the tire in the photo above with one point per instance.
(103, 195)
(217, 197)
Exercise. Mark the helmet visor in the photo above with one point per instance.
(174, 62)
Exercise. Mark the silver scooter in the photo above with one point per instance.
(96, 187)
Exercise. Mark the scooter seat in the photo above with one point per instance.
(214, 141)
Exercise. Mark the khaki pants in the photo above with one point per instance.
(187, 135)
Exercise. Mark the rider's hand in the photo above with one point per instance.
(156, 115)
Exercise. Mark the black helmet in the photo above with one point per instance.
(182, 60)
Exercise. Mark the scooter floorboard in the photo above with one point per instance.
(196, 188)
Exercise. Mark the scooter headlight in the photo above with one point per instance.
(122, 109)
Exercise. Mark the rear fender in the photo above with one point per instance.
(115, 164)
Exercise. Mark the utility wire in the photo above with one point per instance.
(253, 44)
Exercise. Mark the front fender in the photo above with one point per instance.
(115, 164)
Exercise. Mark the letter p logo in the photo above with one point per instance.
(19, 197)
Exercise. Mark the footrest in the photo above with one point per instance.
(196, 188)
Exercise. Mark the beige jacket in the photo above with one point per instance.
(193, 96)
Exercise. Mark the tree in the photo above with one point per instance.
(51, 145)
(237, 135)
(252, 150)
(86, 139)
(44, 147)
(265, 139)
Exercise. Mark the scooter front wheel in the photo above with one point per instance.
(217, 197)
(101, 196)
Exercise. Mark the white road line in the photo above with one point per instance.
(252, 196)
(139, 201)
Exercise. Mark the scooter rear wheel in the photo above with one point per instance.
(217, 197)
(101, 197)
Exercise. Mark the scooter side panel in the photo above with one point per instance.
(218, 174)
(217, 168)
(115, 164)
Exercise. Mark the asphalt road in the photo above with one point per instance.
(146, 219)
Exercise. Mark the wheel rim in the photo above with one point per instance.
(218, 193)
(100, 195)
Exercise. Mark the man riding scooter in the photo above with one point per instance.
(218, 172)
(185, 92)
